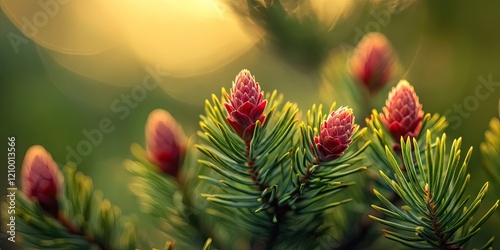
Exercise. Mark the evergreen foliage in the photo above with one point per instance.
(262, 174)
(85, 220)
(436, 213)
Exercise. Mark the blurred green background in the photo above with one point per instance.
(444, 47)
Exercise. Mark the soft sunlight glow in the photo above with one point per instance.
(184, 38)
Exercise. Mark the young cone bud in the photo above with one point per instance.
(402, 112)
(41, 179)
(335, 134)
(372, 63)
(165, 142)
(245, 105)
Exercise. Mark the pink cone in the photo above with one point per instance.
(372, 63)
(335, 134)
(165, 142)
(42, 179)
(402, 112)
(245, 105)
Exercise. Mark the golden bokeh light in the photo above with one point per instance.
(103, 39)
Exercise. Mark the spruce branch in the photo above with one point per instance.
(255, 164)
(435, 214)
(247, 140)
(319, 165)
(252, 163)
(162, 181)
(281, 179)
(79, 219)
(402, 117)
(167, 198)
